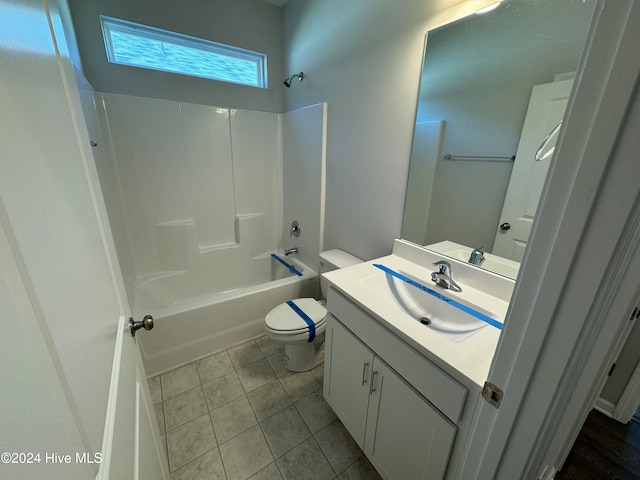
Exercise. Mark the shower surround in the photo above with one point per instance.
(200, 206)
(194, 179)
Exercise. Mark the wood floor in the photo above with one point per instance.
(604, 450)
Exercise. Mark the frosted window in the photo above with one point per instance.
(147, 47)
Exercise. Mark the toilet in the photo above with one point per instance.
(299, 323)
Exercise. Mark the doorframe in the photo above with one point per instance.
(630, 398)
(580, 242)
(616, 323)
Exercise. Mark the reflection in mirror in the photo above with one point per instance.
(477, 108)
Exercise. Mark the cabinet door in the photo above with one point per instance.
(406, 436)
(347, 372)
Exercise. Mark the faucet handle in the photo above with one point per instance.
(477, 256)
(443, 265)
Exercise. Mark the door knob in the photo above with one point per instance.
(146, 323)
(505, 226)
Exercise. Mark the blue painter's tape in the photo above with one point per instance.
(305, 317)
(291, 268)
(479, 315)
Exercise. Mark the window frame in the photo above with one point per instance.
(110, 24)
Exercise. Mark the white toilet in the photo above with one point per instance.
(300, 323)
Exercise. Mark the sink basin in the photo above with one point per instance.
(455, 315)
(433, 308)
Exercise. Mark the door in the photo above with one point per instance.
(406, 436)
(133, 449)
(59, 239)
(347, 372)
(546, 109)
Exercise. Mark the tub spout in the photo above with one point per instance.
(290, 251)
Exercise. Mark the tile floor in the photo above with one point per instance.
(238, 414)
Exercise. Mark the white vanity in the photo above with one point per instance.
(407, 390)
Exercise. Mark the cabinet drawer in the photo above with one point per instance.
(440, 389)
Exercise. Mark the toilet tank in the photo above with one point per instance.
(333, 260)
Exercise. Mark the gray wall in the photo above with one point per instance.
(250, 24)
(363, 58)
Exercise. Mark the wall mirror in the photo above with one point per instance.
(493, 86)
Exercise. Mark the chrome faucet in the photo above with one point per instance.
(477, 256)
(443, 276)
(290, 251)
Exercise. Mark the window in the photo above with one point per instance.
(137, 45)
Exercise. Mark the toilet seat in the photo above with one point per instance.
(283, 320)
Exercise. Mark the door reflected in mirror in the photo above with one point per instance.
(477, 109)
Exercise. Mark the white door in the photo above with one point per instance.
(546, 109)
(132, 445)
(67, 287)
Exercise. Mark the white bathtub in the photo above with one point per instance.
(190, 323)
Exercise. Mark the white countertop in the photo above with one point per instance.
(468, 361)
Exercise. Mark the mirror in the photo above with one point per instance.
(477, 80)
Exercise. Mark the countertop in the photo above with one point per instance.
(468, 361)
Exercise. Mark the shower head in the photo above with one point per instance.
(287, 81)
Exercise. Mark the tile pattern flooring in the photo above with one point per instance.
(239, 414)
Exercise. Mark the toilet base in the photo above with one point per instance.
(303, 357)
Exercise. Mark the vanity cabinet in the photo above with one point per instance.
(348, 370)
(402, 429)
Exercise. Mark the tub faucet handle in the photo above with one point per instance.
(295, 229)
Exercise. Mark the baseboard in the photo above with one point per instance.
(605, 407)
(548, 473)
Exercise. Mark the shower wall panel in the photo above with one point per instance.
(257, 169)
(208, 153)
(189, 176)
(304, 160)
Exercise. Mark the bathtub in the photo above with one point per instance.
(190, 322)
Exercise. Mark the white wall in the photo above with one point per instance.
(363, 58)
(250, 24)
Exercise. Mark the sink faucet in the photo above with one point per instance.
(290, 251)
(443, 276)
(477, 256)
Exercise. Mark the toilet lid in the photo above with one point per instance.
(286, 319)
